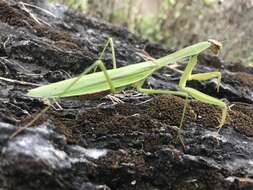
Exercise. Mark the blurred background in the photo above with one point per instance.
(177, 23)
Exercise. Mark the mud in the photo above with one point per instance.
(97, 143)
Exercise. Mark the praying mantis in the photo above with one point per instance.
(135, 75)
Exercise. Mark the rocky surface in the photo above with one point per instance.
(97, 143)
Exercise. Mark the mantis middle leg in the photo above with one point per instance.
(177, 93)
(159, 91)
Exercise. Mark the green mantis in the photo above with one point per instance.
(134, 75)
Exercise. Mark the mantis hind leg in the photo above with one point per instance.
(108, 43)
(19, 130)
(108, 79)
(97, 63)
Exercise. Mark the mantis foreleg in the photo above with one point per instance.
(186, 91)
(199, 95)
(207, 76)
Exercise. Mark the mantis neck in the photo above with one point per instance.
(183, 53)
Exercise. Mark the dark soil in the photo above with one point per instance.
(96, 143)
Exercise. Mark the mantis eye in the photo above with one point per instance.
(215, 46)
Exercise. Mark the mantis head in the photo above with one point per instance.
(215, 46)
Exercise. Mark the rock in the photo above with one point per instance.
(97, 143)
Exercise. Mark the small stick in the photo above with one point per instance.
(19, 82)
(29, 12)
(39, 8)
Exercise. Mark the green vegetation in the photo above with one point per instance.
(179, 22)
(129, 13)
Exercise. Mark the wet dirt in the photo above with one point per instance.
(140, 135)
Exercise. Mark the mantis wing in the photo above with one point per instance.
(95, 82)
